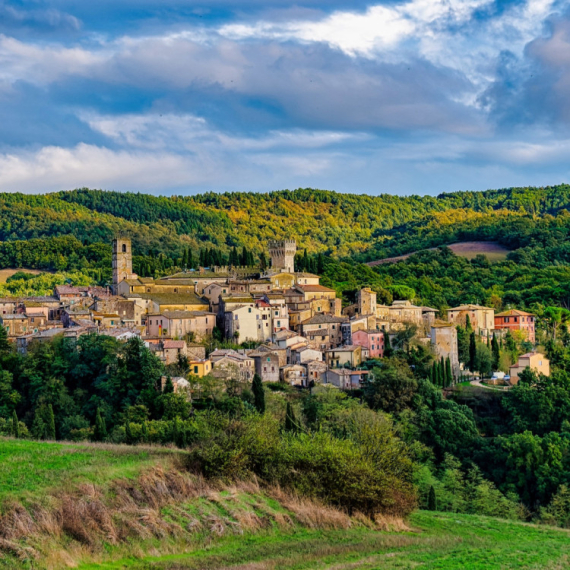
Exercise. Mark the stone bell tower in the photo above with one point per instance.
(282, 253)
(122, 261)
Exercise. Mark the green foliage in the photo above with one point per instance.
(100, 432)
(15, 425)
(258, 394)
(432, 501)
(291, 424)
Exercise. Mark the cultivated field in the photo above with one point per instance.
(468, 249)
(5, 273)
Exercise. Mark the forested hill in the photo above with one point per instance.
(341, 225)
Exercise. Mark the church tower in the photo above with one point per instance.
(122, 261)
(282, 253)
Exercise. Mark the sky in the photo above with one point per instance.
(182, 97)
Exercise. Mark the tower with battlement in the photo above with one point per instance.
(282, 253)
(122, 261)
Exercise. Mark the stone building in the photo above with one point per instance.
(536, 361)
(444, 343)
(282, 254)
(482, 319)
(122, 261)
(323, 331)
(515, 320)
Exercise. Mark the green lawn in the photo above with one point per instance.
(28, 468)
(439, 541)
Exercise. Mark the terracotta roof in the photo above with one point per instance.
(515, 313)
(324, 318)
(470, 307)
(315, 289)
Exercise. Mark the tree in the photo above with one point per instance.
(168, 386)
(496, 353)
(462, 345)
(484, 360)
(129, 438)
(290, 420)
(432, 502)
(5, 347)
(448, 372)
(100, 432)
(50, 424)
(144, 432)
(472, 352)
(468, 326)
(258, 394)
(441, 373)
(15, 425)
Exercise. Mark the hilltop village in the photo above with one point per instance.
(285, 326)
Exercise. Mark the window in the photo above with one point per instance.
(249, 310)
(268, 359)
(334, 327)
(273, 369)
(124, 248)
(195, 370)
(175, 289)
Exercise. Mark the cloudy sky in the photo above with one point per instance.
(181, 96)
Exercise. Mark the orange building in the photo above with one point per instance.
(515, 320)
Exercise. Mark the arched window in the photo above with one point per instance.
(124, 248)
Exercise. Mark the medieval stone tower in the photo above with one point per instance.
(122, 261)
(367, 301)
(282, 254)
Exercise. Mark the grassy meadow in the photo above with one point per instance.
(114, 507)
(30, 469)
(435, 541)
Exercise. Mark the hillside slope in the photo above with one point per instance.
(115, 507)
(338, 224)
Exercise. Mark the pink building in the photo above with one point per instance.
(372, 340)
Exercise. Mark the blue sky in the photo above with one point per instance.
(180, 97)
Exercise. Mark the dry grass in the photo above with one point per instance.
(5, 273)
(167, 504)
(468, 249)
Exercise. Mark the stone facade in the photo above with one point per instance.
(282, 254)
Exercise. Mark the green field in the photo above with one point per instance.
(132, 508)
(438, 541)
(30, 468)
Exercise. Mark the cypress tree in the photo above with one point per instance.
(258, 394)
(50, 427)
(320, 264)
(15, 425)
(290, 420)
(496, 352)
(472, 352)
(168, 386)
(5, 347)
(144, 432)
(432, 501)
(191, 260)
(468, 327)
(448, 372)
(434, 374)
(100, 432)
(129, 439)
(441, 373)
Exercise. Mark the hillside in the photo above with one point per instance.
(338, 224)
(115, 507)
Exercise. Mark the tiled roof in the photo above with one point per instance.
(515, 313)
(469, 307)
(324, 318)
